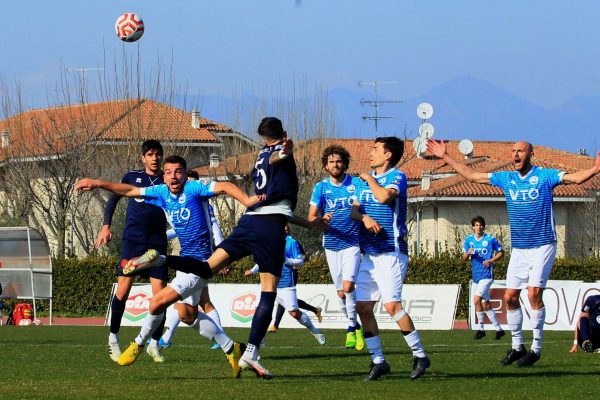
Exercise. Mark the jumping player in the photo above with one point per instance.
(380, 204)
(145, 227)
(587, 332)
(333, 197)
(528, 194)
(483, 250)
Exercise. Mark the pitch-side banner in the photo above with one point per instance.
(430, 306)
(562, 299)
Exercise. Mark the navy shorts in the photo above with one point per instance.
(263, 236)
(131, 249)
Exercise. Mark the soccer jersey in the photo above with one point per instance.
(187, 212)
(592, 306)
(292, 255)
(391, 217)
(144, 222)
(337, 199)
(483, 250)
(529, 204)
(278, 181)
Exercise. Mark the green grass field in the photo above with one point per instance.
(72, 362)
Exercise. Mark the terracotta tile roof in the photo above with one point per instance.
(41, 132)
(487, 157)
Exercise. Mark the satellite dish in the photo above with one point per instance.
(426, 130)
(465, 146)
(424, 110)
(420, 146)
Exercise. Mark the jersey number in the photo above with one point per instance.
(260, 174)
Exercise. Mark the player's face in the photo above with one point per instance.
(152, 161)
(521, 153)
(378, 156)
(335, 166)
(478, 228)
(175, 177)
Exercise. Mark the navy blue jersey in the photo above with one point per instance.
(144, 223)
(278, 181)
(592, 307)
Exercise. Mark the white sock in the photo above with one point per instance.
(515, 324)
(153, 342)
(171, 324)
(351, 309)
(208, 329)
(342, 303)
(214, 315)
(305, 321)
(149, 325)
(537, 324)
(374, 345)
(480, 315)
(113, 337)
(491, 314)
(413, 340)
(251, 352)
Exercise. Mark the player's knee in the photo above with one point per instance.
(295, 314)
(341, 294)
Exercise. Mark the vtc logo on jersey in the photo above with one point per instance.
(243, 307)
(136, 307)
(340, 203)
(524, 194)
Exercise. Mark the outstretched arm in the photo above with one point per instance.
(121, 189)
(439, 150)
(583, 175)
(233, 191)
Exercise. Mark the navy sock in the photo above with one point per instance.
(189, 265)
(278, 315)
(262, 318)
(305, 306)
(584, 328)
(159, 329)
(350, 329)
(117, 309)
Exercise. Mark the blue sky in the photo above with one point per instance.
(545, 52)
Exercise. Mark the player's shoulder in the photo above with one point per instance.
(469, 237)
(593, 301)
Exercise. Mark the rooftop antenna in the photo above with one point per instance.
(465, 146)
(426, 130)
(376, 104)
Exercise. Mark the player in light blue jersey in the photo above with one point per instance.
(483, 250)
(380, 205)
(333, 197)
(528, 194)
(185, 204)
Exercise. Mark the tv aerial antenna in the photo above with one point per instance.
(426, 129)
(377, 103)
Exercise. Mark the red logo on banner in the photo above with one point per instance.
(243, 307)
(137, 306)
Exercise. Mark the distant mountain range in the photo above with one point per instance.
(464, 107)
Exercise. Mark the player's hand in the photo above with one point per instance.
(318, 224)
(486, 263)
(365, 176)
(104, 237)
(224, 271)
(371, 225)
(247, 273)
(574, 348)
(252, 200)
(327, 217)
(85, 185)
(288, 144)
(438, 149)
(471, 251)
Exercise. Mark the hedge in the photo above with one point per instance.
(83, 286)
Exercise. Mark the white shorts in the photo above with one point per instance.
(530, 267)
(381, 276)
(343, 265)
(189, 287)
(287, 298)
(483, 288)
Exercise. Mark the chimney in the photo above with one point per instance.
(5, 138)
(425, 180)
(213, 160)
(195, 119)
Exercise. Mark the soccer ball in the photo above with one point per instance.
(129, 27)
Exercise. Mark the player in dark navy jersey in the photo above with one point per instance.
(587, 333)
(528, 194)
(145, 227)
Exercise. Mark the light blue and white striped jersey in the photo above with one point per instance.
(483, 250)
(292, 251)
(391, 217)
(329, 197)
(529, 204)
(187, 212)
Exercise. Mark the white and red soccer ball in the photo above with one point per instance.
(129, 27)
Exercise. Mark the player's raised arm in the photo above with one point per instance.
(439, 150)
(122, 189)
(583, 175)
(287, 147)
(383, 195)
(233, 191)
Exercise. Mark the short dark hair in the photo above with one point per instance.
(392, 145)
(151, 144)
(176, 160)
(336, 149)
(271, 127)
(479, 219)
(193, 174)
